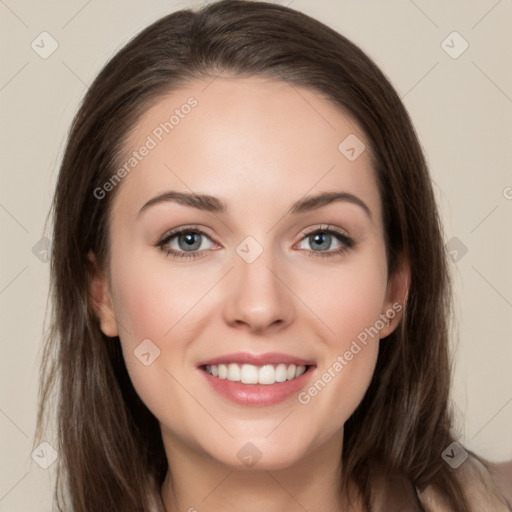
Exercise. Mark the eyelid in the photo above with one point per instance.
(324, 227)
(183, 229)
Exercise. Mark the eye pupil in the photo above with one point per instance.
(191, 240)
(317, 238)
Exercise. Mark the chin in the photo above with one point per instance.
(260, 453)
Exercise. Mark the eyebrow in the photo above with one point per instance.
(212, 204)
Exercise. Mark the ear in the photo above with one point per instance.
(101, 300)
(396, 296)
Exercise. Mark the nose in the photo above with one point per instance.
(259, 298)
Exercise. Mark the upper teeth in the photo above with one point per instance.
(250, 374)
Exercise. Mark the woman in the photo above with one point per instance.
(251, 296)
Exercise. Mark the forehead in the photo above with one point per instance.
(246, 138)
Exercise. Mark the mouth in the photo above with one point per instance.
(257, 380)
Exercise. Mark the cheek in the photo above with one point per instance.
(144, 312)
(150, 299)
(348, 298)
(349, 301)
(153, 302)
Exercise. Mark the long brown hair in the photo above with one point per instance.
(111, 455)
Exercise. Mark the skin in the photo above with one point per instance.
(258, 146)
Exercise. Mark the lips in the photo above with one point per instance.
(256, 379)
(257, 359)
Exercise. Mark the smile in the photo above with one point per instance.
(257, 380)
(250, 374)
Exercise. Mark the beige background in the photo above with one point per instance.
(461, 108)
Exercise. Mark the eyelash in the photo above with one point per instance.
(347, 242)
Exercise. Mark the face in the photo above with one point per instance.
(247, 280)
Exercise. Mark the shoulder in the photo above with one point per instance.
(502, 475)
